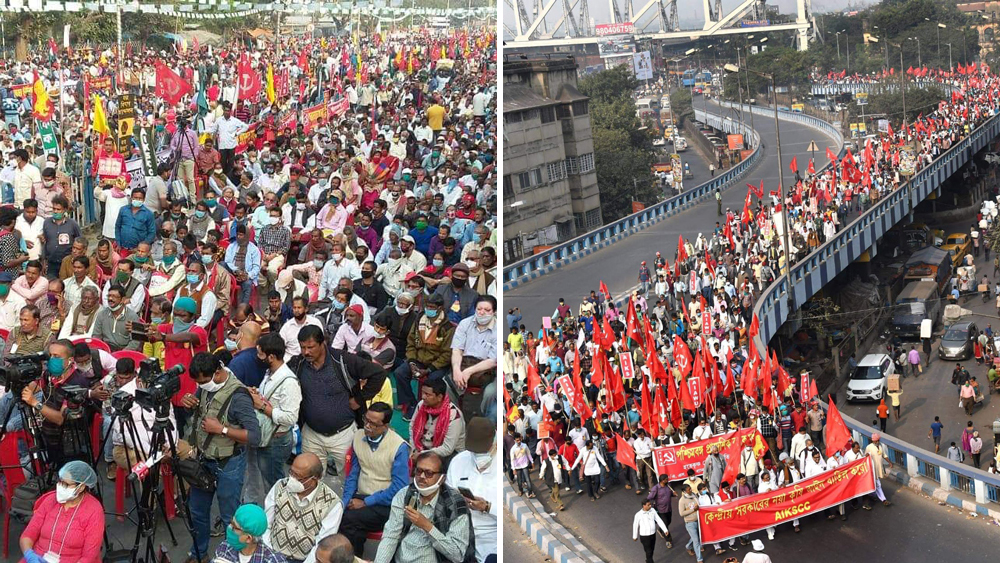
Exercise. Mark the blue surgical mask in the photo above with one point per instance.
(56, 366)
(206, 259)
(431, 313)
(233, 539)
(230, 344)
(476, 237)
(181, 326)
(200, 214)
(339, 306)
(136, 203)
(193, 278)
(438, 263)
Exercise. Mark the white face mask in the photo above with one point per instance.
(484, 460)
(430, 490)
(337, 257)
(294, 486)
(211, 386)
(402, 310)
(64, 494)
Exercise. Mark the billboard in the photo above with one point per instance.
(642, 64)
(624, 28)
(616, 46)
(755, 23)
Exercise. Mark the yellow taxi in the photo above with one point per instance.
(957, 245)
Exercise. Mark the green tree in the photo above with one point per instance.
(623, 149)
(681, 106)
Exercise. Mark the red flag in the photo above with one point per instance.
(748, 382)
(169, 85)
(631, 324)
(580, 404)
(754, 329)
(53, 47)
(598, 376)
(728, 386)
(682, 355)
(646, 409)
(661, 411)
(812, 388)
(830, 156)
(249, 80)
(546, 426)
(701, 382)
(794, 165)
(533, 379)
(812, 167)
(836, 436)
(604, 289)
(616, 390)
(681, 252)
(625, 452)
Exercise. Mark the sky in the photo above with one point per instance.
(689, 11)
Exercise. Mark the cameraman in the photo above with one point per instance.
(184, 147)
(63, 443)
(128, 451)
(222, 439)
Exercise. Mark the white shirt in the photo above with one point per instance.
(30, 233)
(333, 272)
(10, 310)
(701, 432)
(228, 131)
(464, 472)
(755, 557)
(643, 447)
(143, 420)
(137, 302)
(579, 437)
(73, 290)
(347, 339)
(284, 395)
(645, 523)
(330, 524)
(290, 334)
(592, 462)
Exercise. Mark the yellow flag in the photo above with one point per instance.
(270, 83)
(100, 120)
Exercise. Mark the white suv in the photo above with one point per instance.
(871, 378)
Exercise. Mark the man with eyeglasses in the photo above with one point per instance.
(379, 470)
(429, 521)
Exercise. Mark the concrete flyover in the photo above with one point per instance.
(613, 253)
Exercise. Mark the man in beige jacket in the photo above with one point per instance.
(687, 505)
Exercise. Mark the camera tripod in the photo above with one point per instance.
(151, 495)
(30, 425)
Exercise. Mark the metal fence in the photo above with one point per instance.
(542, 263)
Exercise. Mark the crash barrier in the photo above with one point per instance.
(873, 87)
(532, 267)
(810, 274)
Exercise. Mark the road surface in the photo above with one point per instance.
(517, 546)
(618, 264)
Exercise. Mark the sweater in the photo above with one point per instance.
(77, 537)
(688, 508)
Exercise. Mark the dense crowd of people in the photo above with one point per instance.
(317, 253)
(679, 361)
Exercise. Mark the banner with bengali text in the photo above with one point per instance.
(809, 496)
(674, 461)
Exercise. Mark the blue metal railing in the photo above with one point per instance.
(772, 308)
(534, 266)
(538, 264)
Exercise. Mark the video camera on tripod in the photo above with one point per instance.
(158, 385)
(21, 370)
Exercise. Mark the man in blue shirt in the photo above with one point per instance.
(935, 433)
(379, 468)
(136, 223)
(422, 234)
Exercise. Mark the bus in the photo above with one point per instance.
(688, 79)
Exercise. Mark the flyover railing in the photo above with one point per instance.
(819, 267)
(537, 265)
(795, 117)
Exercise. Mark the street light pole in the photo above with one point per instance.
(950, 67)
(838, 44)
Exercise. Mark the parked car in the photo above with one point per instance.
(956, 344)
(870, 378)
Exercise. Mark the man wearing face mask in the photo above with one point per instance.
(224, 424)
(476, 471)
(135, 292)
(428, 352)
(244, 260)
(110, 325)
(300, 319)
(128, 449)
(274, 241)
(165, 234)
(369, 289)
(394, 272)
(61, 442)
(135, 223)
(301, 509)
(218, 279)
(244, 538)
(143, 264)
(169, 273)
(198, 289)
(429, 520)
(337, 268)
(459, 299)
(410, 256)
(59, 236)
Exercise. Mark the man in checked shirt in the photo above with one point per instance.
(274, 241)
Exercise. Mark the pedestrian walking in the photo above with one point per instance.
(976, 447)
(711, 169)
(520, 462)
(553, 465)
(935, 433)
(894, 401)
(883, 414)
(660, 495)
(927, 350)
(688, 508)
(591, 460)
(968, 397)
(644, 278)
(914, 359)
(644, 527)
(879, 458)
(955, 453)
(718, 201)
